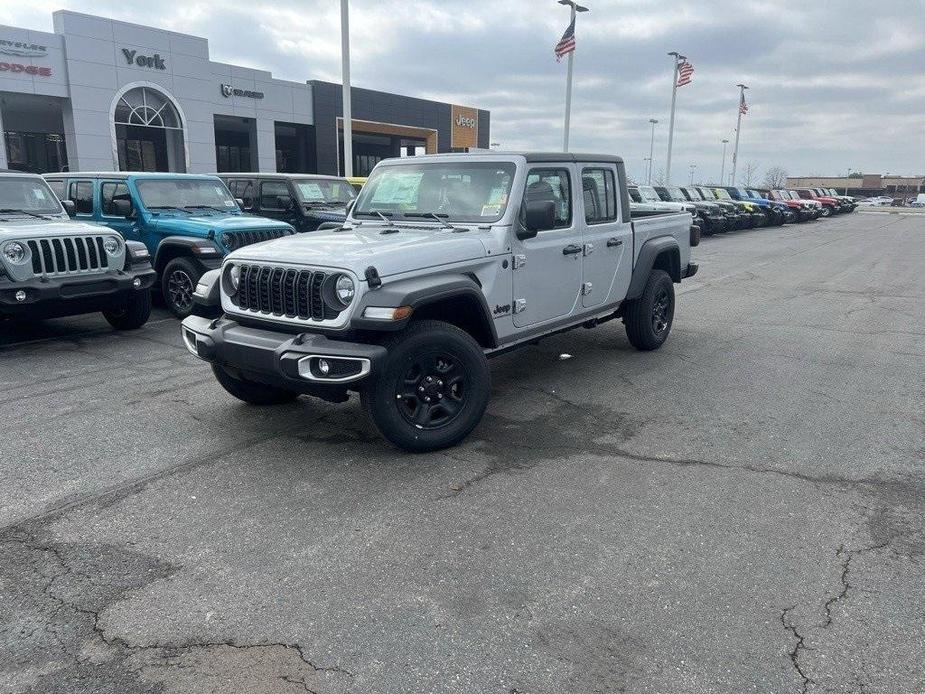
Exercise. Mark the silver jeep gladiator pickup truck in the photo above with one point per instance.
(443, 262)
(52, 266)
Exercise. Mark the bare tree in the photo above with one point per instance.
(658, 177)
(749, 173)
(775, 177)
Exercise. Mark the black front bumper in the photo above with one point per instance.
(49, 297)
(278, 358)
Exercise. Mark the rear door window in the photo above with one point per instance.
(599, 192)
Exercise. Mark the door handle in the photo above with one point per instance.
(571, 249)
(611, 242)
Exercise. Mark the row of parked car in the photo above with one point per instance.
(718, 209)
(137, 231)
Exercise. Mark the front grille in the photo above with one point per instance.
(283, 292)
(68, 255)
(238, 239)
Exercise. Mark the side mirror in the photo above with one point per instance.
(240, 202)
(120, 208)
(539, 215)
(284, 201)
(68, 206)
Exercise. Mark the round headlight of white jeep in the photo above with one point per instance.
(15, 252)
(112, 245)
(234, 277)
(344, 290)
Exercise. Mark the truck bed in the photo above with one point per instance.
(655, 224)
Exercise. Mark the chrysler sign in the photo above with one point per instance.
(22, 49)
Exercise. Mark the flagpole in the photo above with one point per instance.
(568, 91)
(575, 8)
(653, 121)
(735, 151)
(347, 99)
(722, 171)
(674, 95)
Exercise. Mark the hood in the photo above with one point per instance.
(201, 225)
(409, 248)
(32, 227)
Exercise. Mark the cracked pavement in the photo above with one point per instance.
(741, 511)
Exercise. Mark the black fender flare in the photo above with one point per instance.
(188, 245)
(419, 292)
(648, 255)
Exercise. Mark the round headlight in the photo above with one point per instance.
(344, 290)
(228, 241)
(15, 252)
(234, 276)
(112, 245)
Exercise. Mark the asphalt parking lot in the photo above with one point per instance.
(741, 511)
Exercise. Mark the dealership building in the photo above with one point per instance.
(102, 95)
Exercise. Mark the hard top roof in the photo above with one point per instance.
(121, 175)
(270, 174)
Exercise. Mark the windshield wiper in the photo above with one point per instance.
(12, 210)
(202, 207)
(384, 217)
(432, 215)
(168, 207)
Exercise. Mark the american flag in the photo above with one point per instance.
(685, 73)
(566, 44)
(743, 107)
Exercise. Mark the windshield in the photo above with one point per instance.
(186, 193)
(675, 194)
(27, 195)
(634, 195)
(692, 193)
(312, 191)
(465, 192)
(744, 193)
(706, 193)
(722, 194)
(754, 194)
(648, 193)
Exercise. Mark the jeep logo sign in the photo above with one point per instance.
(464, 133)
(154, 61)
(465, 122)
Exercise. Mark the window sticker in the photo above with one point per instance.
(398, 189)
(311, 192)
(491, 210)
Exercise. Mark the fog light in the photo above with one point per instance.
(324, 367)
(20, 295)
(136, 283)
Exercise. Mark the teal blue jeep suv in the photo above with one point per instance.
(187, 221)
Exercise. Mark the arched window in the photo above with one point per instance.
(148, 107)
(148, 131)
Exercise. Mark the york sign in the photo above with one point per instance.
(154, 61)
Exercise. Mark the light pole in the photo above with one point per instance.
(722, 171)
(847, 180)
(735, 151)
(345, 68)
(653, 121)
(678, 59)
(571, 64)
(693, 166)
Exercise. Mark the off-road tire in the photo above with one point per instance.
(648, 319)
(394, 397)
(251, 392)
(826, 211)
(133, 314)
(176, 277)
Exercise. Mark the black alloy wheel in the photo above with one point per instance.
(661, 311)
(433, 390)
(180, 288)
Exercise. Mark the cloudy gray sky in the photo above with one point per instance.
(835, 83)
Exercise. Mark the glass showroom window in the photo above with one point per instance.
(149, 132)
